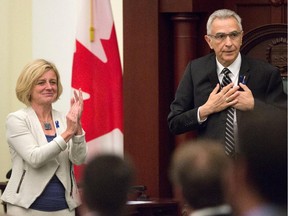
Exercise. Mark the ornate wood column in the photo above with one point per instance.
(185, 38)
(185, 42)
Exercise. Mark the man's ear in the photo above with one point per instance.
(243, 172)
(178, 191)
(209, 41)
(233, 177)
(242, 33)
(179, 194)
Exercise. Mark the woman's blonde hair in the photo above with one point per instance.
(29, 76)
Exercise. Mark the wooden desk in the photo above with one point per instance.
(154, 207)
(2, 188)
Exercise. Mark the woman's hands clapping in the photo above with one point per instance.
(73, 117)
(77, 106)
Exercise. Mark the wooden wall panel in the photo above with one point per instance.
(249, 18)
(255, 13)
(141, 90)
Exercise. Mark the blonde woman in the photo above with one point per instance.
(44, 144)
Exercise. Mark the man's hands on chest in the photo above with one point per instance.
(226, 97)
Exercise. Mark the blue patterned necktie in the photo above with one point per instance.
(229, 129)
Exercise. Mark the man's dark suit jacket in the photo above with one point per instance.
(200, 78)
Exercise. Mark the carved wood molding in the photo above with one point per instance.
(273, 41)
(277, 3)
(276, 54)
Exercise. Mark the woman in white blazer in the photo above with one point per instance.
(44, 146)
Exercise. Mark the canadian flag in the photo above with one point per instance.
(97, 71)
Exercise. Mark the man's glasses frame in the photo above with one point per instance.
(222, 36)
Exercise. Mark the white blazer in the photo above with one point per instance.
(35, 161)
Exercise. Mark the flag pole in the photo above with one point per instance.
(92, 29)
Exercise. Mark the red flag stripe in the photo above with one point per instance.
(97, 71)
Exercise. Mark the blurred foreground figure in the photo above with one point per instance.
(197, 171)
(106, 183)
(257, 178)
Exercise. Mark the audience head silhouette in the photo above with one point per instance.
(197, 169)
(106, 182)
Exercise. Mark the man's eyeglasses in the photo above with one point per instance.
(222, 36)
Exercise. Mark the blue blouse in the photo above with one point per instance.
(53, 196)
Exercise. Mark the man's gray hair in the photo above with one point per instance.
(222, 14)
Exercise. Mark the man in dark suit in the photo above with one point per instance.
(201, 103)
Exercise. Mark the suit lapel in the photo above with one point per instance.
(212, 70)
(244, 71)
